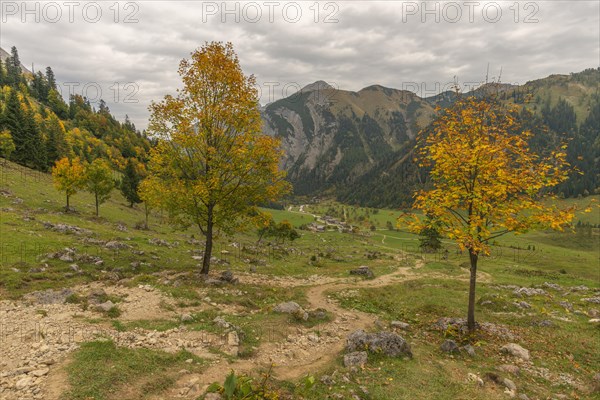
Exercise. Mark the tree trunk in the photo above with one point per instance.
(471, 314)
(209, 242)
(146, 211)
(67, 203)
(96, 205)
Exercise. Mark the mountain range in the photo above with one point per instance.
(357, 146)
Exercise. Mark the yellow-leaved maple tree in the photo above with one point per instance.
(68, 176)
(212, 166)
(485, 180)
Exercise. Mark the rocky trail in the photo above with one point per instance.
(39, 332)
(302, 353)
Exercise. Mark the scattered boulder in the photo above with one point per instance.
(449, 346)
(106, 306)
(471, 377)
(66, 257)
(50, 296)
(319, 314)
(214, 282)
(220, 321)
(228, 277)
(327, 379)
(470, 350)
(388, 343)
(510, 368)
(186, 318)
(596, 383)
(594, 300)
(115, 245)
(516, 351)
(24, 383)
(399, 325)
(523, 305)
(580, 288)
(566, 305)
(300, 315)
(524, 291)
(355, 359)
(510, 385)
(289, 307)
(233, 339)
(593, 313)
(225, 278)
(40, 372)
(68, 229)
(97, 296)
(159, 242)
(364, 271)
(553, 286)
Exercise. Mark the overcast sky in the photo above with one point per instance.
(131, 50)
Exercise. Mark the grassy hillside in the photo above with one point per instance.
(423, 289)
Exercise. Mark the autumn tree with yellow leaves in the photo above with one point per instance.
(485, 180)
(68, 176)
(212, 165)
(98, 181)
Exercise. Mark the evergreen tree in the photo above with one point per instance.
(56, 145)
(34, 150)
(57, 104)
(128, 124)
(50, 78)
(12, 120)
(2, 74)
(39, 87)
(561, 118)
(13, 68)
(130, 183)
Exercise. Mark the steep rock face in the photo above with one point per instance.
(333, 137)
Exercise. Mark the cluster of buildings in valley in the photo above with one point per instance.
(326, 222)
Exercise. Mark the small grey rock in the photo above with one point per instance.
(355, 359)
(516, 351)
(287, 308)
(449, 346)
(399, 325)
(186, 318)
(510, 385)
(106, 306)
(470, 350)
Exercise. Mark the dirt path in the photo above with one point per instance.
(317, 355)
(294, 353)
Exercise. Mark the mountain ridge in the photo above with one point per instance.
(336, 141)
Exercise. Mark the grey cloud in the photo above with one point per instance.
(373, 42)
